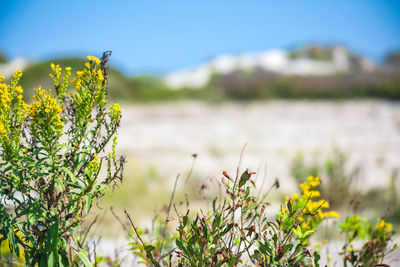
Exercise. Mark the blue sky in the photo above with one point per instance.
(160, 36)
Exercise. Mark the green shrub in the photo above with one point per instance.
(242, 230)
(51, 155)
(237, 230)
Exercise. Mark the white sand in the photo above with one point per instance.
(165, 135)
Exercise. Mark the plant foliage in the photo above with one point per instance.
(52, 152)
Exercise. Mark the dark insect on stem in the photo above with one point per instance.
(104, 66)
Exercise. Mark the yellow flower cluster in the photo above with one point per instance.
(62, 88)
(92, 68)
(115, 112)
(57, 72)
(93, 59)
(5, 101)
(308, 203)
(93, 166)
(45, 111)
(11, 99)
(114, 144)
(307, 187)
(100, 75)
(3, 130)
(17, 75)
(384, 227)
(5, 95)
(84, 84)
(309, 193)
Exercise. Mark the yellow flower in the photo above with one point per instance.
(331, 214)
(309, 200)
(93, 59)
(45, 109)
(384, 226)
(100, 75)
(115, 112)
(3, 130)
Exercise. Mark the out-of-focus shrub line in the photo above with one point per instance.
(238, 85)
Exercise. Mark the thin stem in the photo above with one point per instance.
(168, 212)
(134, 228)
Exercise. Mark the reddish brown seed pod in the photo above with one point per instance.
(226, 174)
(262, 209)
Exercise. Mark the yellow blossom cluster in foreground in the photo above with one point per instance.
(11, 102)
(45, 110)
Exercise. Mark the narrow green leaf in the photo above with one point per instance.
(70, 174)
(289, 205)
(60, 184)
(88, 202)
(82, 256)
(247, 193)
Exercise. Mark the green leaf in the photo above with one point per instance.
(308, 233)
(227, 229)
(262, 248)
(52, 259)
(286, 248)
(82, 256)
(88, 202)
(317, 257)
(181, 247)
(70, 174)
(289, 205)
(149, 248)
(298, 231)
(60, 184)
(217, 220)
(244, 178)
(247, 193)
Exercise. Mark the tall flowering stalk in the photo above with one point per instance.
(51, 155)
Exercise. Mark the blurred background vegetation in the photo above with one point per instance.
(383, 81)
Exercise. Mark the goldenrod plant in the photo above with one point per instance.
(52, 152)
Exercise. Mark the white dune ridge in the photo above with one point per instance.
(8, 69)
(276, 60)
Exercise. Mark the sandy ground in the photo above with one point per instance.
(165, 136)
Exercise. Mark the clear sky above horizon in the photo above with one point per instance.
(161, 36)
